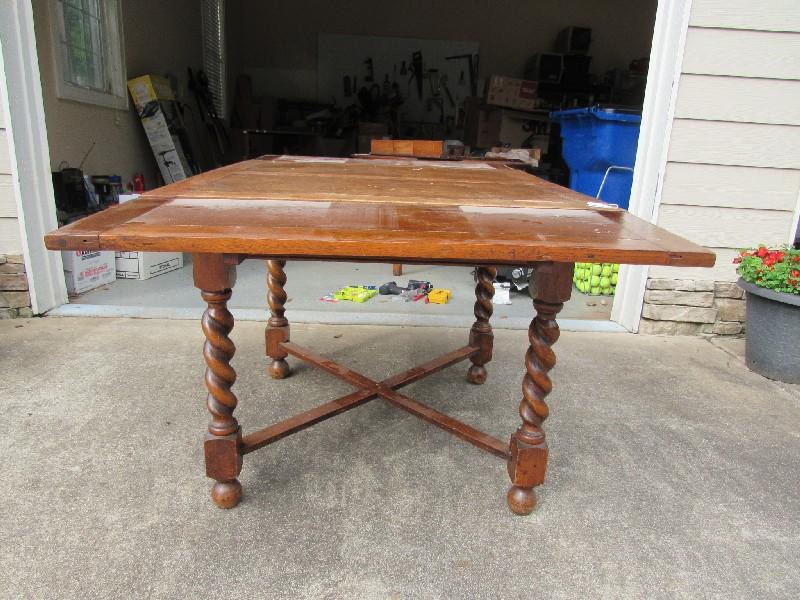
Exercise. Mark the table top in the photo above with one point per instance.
(378, 210)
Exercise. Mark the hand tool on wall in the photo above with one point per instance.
(472, 69)
(443, 82)
(370, 76)
(416, 70)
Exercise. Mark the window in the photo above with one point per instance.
(87, 47)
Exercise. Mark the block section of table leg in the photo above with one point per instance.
(223, 459)
(275, 336)
(527, 464)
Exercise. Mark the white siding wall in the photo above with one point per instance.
(733, 170)
(10, 242)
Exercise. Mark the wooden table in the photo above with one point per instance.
(390, 211)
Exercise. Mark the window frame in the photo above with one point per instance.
(114, 58)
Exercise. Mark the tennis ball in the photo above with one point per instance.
(597, 269)
(595, 280)
(606, 272)
(605, 282)
(614, 277)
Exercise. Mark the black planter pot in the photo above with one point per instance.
(772, 348)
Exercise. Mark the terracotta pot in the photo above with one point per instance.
(772, 348)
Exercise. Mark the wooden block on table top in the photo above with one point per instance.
(377, 146)
(403, 148)
(428, 148)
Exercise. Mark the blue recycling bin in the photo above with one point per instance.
(595, 139)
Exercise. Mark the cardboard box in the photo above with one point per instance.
(153, 98)
(490, 126)
(85, 270)
(511, 92)
(144, 265)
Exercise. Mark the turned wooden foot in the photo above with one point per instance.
(278, 325)
(521, 500)
(477, 374)
(226, 494)
(481, 335)
(528, 446)
(279, 369)
(222, 446)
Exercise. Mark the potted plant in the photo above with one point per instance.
(771, 279)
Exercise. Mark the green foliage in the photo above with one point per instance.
(777, 270)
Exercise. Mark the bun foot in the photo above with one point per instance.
(521, 501)
(226, 494)
(279, 369)
(476, 374)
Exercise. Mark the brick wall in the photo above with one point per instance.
(689, 307)
(14, 298)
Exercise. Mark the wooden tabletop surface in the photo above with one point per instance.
(388, 210)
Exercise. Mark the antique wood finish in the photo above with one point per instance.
(223, 460)
(528, 446)
(481, 333)
(394, 211)
(278, 325)
(390, 211)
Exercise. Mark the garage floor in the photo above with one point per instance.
(173, 295)
(673, 472)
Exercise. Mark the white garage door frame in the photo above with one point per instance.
(36, 206)
(30, 154)
(666, 58)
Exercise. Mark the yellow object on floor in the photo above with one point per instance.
(355, 293)
(439, 296)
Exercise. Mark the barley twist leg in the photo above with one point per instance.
(223, 461)
(277, 325)
(528, 445)
(481, 332)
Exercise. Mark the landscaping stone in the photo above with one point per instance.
(12, 267)
(724, 289)
(684, 285)
(651, 327)
(688, 314)
(731, 309)
(25, 312)
(727, 328)
(14, 299)
(13, 282)
(8, 313)
(703, 299)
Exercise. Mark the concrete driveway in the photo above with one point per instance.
(673, 472)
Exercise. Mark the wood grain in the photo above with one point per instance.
(383, 211)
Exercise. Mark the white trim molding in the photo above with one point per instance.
(30, 155)
(666, 58)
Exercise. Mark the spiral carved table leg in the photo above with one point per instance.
(528, 446)
(481, 333)
(277, 325)
(223, 460)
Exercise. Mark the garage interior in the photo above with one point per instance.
(328, 80)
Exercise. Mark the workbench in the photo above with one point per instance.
(391, 211)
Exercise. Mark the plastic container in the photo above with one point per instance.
(595, 139)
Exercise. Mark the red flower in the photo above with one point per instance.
(762, 251)
(795, 273)
(737, 260)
